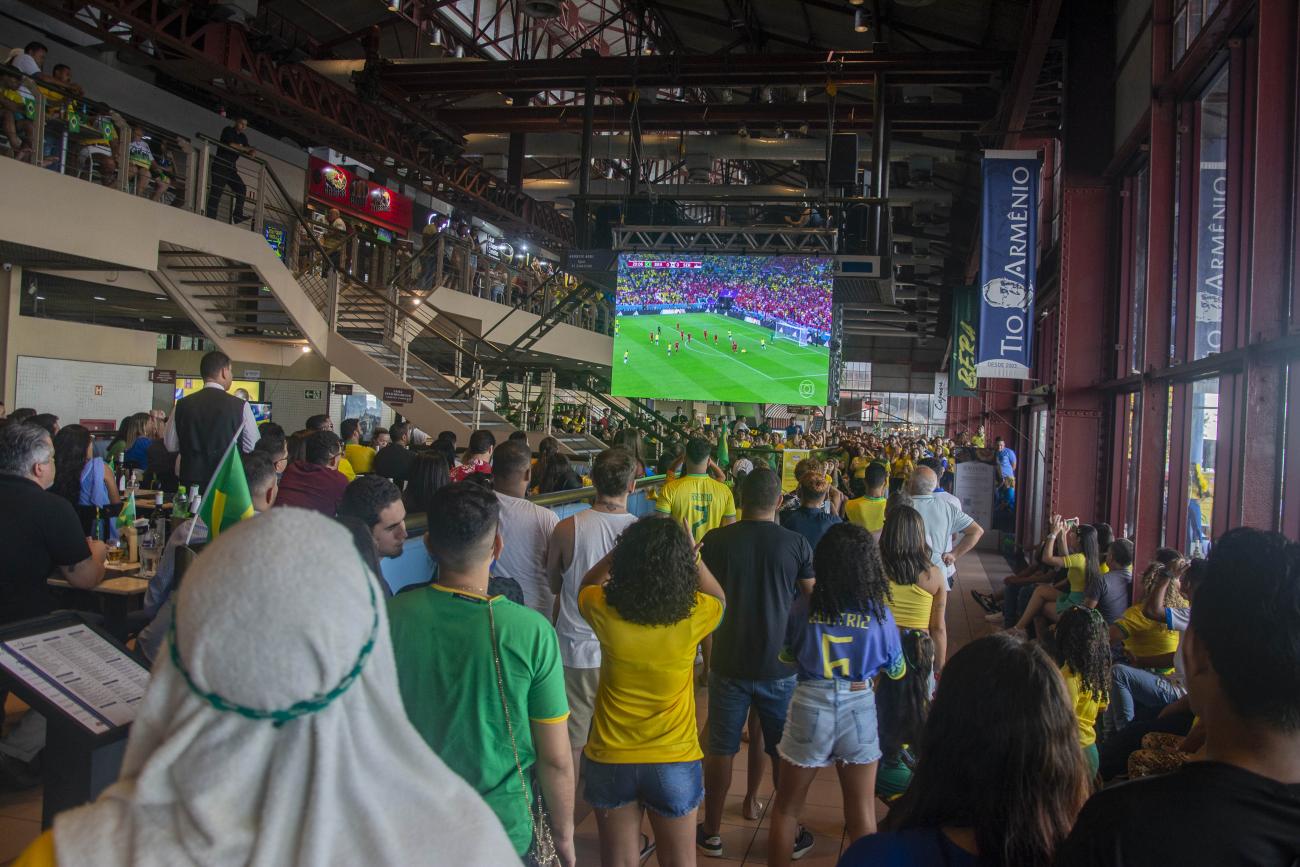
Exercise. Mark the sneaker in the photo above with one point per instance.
(709, 844)
(985, 601)
(803, 841)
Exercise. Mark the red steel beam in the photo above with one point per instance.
(843, 68)
(698, 116)
(217, 57)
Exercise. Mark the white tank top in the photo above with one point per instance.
(594, 535)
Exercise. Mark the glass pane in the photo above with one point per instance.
(1180, 33)
(1203, 435)
(1164, 498)
(1132, 437)
(1212, 217)
(1173, 277)
(1138, 279)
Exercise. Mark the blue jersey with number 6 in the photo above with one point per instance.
(855, 646)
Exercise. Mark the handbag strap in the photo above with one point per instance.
(505, 708)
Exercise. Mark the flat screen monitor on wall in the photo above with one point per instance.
(247, 389)
(752, 329)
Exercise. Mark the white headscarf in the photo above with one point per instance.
(278, 611)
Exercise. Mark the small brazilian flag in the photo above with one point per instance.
(126, 517)
(724, 457)
(227, 500)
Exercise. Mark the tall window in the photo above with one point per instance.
(1173, 276)
(1202, 445)
(1132, 440)
(1139, 192)
(1211, 218)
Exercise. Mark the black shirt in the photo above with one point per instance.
(1204, 813)
(393, 461)
(758, 564)
(227, 156)
(811, 523)
(1112, 593)
(40, 531)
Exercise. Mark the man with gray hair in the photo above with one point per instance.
(41, 537)
(943, 520)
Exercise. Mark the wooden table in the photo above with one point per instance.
(116, 597)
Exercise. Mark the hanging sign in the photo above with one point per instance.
(357, 197)
(398, 396)
(1008, 254)
(962, 378)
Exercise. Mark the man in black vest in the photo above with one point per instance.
(204, 423)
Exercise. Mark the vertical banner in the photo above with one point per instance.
(1212, 209)
(1008, 254)
(962, 378)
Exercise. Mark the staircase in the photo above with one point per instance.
(236, 289)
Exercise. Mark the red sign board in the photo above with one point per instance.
(397, 396)
(339, 188)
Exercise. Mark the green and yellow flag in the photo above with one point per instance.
(724, 456)
(227, 500)
(126, 517)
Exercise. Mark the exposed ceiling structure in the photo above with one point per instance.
(480, 102)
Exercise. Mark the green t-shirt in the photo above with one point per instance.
(443, 646)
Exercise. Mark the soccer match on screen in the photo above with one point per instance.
(725, 328)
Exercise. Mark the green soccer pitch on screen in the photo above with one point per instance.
(746, 329)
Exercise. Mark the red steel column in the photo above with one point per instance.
(1082, 351)
(1149, 456)
(1266, 237)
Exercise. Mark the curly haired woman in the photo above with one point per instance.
(1083, 652)
(650, 602)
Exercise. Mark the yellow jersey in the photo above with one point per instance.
(1086, 708)
(361, 457)
(867, 512)
(645, 706)
(703, 501)
(858, 466)
(1144, 636)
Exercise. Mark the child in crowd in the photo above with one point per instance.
(902, 708)
(139, 161)
(1083, 652)
(840, 639)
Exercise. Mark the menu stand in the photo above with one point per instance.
(87, 685)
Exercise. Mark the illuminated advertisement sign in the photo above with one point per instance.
(337, 187)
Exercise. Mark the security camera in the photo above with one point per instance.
(9, 266)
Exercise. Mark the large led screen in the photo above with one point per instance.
(749, 329)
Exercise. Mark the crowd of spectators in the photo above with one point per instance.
(559, 662)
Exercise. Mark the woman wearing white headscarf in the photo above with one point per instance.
(273, 732)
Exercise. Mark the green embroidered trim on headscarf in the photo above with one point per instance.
(298, 709)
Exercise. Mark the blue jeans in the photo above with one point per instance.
(1014, 600)
(830, 721)
(669, 789)
(729, 702)
(1135, 690)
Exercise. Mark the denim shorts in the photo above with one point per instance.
(829, 722)
(729, 702)
(669, 789)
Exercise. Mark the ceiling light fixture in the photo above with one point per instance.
(306, 349)
(435, 38)
(856, 2)
(861, 23)
(100, 298)
(165, 316)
